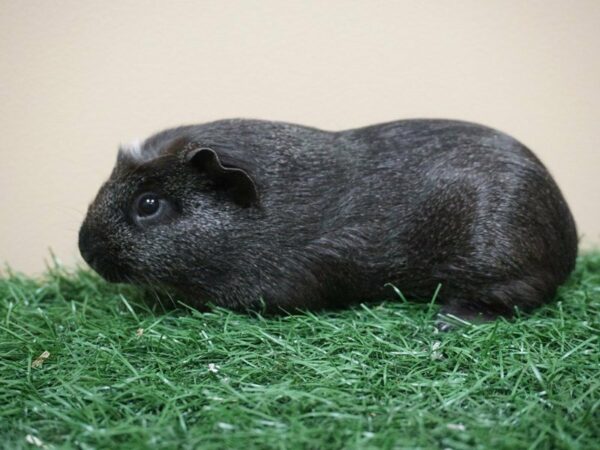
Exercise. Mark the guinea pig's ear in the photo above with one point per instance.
(234, 180)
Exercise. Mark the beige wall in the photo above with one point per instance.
(78, 77)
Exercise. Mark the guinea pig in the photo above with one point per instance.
(277, 217)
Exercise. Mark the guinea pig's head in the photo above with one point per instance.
(165, 212)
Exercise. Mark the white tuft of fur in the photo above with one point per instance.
(133, 150)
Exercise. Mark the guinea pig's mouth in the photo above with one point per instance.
(108, 269)
(114, 274)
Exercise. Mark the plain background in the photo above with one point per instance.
(79, 77)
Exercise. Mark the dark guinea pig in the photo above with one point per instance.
(251, 214)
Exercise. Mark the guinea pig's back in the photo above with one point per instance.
(456, 199)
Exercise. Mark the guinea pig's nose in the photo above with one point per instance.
(91, 247)
(86, 244)
(93, 250)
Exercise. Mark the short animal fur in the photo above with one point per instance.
(267, 215)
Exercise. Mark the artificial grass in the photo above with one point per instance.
(122, 373)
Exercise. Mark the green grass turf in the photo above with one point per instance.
(377, 376)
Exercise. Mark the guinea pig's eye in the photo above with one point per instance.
(150, 208)
(148, 205)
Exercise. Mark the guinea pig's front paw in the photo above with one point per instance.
(443, 325)
(453, 315)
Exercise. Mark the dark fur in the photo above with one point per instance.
(314, 219)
